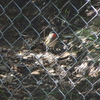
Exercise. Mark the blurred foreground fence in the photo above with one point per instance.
(70, 70)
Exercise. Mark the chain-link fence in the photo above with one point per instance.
(62, 65)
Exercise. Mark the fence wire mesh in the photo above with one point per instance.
(62, 65)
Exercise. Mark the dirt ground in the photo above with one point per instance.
(69, 72)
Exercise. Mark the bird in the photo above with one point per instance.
(49, 41)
